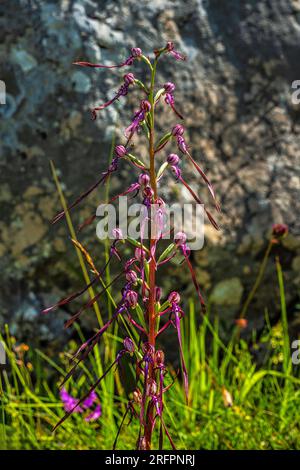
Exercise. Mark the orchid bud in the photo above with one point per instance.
(227, 398)
(174, 298)
(139, 253)
(177, 130)
(152, 387)
(128, 345)
(160, 357)
(173, 159)
(158, 293)
(137, 396)
(170, 46)
(117, 233)
(180, 238)
(176, 171)
(169, 87)
(279, 231)
(147, 348)
(145, 106)
(181, 144)
(113, 166)
(160, 202)
(142, 445)
(148, 192)
(131, 276)
(129, 78)
(187, 250)
(136, 52)
(144, 179)
(132, 298)
(120, 151)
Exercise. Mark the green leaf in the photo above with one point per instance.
(163, 140)
(134, 159)
(166, 252)
(162, 169)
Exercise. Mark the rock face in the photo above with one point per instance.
(235, 91)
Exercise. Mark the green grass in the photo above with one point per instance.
(264, 414)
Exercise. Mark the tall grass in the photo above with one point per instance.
(263, 412)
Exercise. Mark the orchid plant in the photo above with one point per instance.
(142, 306)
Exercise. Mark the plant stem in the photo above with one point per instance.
(152, 265)
(257, 281)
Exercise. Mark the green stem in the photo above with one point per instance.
(152, 265)
(257, 281)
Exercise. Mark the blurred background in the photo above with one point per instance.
(235, 92)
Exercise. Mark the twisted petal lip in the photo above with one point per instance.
(122, 91)
(136, 52)
(128, 61)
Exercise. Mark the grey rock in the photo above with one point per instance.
(81, 82)
(235, 91)
(22, 58)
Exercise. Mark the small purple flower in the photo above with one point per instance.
(169, 87)
(173, 159)
(169, 97)
(145, 105)
(128, 345)
(174, 298)
(176, 171)
(120, 151)
(180, 238)
(139, 254)
(170, 49)
(160, 357)
(95, 414)
(181, 143)
(158, 293)
(144, 179)
(129, 79)
(69, 402)
(117, 233)
(131, 298)
(136, 52)
(139, 116)
(131, 276)
(279, 231)
(90, 400)
(148, 196)
(177, 130)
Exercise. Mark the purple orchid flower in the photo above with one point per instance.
(129, 79)
(170, 50)
(137, 119)
(169, 97)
